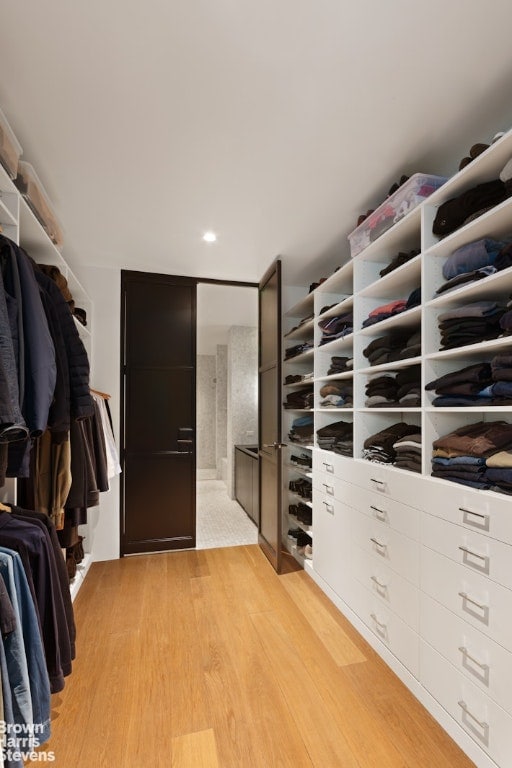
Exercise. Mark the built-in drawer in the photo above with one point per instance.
(484, 662)
(487, 513)
(333, 464)
(388, 546)
(388, 481)
(400, 517)
(394, 633)
(480, 553)
(484, 720)
(396, 593)
(332, 486)
(473, 597)
(332, 550)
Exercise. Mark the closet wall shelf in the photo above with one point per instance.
(496, 410)
(498, 285)
(483, 348)
(408, 319)
(338, 281)
(343, 306)
(303, 332)
(333, 410)
(382, 411)
(398, 283)
(338, 344)
(8, 209)
(335, 377)
(304, 357)
(302, 308)
(375, 369)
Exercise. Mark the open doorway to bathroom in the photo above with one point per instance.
(227, 415)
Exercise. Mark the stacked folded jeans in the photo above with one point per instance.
(340, 365)
(474, 261)
(300, 398)
(302, 430)
(336, 394)
(379, 447)
(393, 346)
(478, 321)
(337, 437)
(409, 387)
(408, 452)
(475, 455)
(336, 327)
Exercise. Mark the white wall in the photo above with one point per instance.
(221, 430)
(104, 287)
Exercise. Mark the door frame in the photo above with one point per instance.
(126, 275)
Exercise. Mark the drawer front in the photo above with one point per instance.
(400, 517)
(395, 592)
(332, 486)
(386, 545)
(487, 513)
(389, 482)
(332, 550)
(392, 632)
(474, 550)
(476, 599)
(473, 654)
(323, 461)
(487, 723)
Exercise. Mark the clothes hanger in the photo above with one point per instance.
(4, 508)
(104, 395)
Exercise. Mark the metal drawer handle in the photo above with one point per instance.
(484, 726)
(328, 467)
(381, 628)
(379, 482)
(466, 597)
(379, 585)
(381, 514)
(469, 553)
(329, 507)
(484, 525)
(378, 544)
(465, 653)
(484, 608)
(328, 489)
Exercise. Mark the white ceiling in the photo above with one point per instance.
(272, 122)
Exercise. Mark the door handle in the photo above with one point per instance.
(274, 445)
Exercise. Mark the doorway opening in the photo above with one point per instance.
(226, 415)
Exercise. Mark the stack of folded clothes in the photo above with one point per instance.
(301, 487)
(298, 377)
(302, 430)
(393, 346)
(506, 320)
(379, 447)
(400, 389)
(475, 455)
(381, 391)
(302, 512)
(304, 460)
(471, 323)
(336, 327)
(401, 258)
(300, 398)
(474, 261)
(341, 365)
(468, 386)
(336, 394)
(408, 452)
(393, 308)
(298, 349)
(337, 437)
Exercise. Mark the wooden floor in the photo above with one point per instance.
(207, 659)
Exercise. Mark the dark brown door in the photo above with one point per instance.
(270, 414)
(158, 412)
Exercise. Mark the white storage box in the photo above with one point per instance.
(395, 207)
(10, 148)
(34, 193)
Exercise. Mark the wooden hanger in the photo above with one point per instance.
(104, 395)
(4, 508)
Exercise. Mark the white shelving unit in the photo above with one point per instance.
(20, 225)
(420, 565)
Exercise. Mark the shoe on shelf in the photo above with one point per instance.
(308, 552)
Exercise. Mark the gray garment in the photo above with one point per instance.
(10, 412)
(475, 309)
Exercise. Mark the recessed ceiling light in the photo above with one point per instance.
(209, 237)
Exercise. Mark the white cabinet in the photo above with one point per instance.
(429, 558)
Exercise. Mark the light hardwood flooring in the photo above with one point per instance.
(208, 659)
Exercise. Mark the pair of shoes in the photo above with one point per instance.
(304, 514)
(293, 533)
(364, 216)
(474, 152)
(293, 510)
(308, 552)
(303, 460)
(397, 185)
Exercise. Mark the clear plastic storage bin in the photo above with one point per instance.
(34, 193)
(10, 148)
(395, 207)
